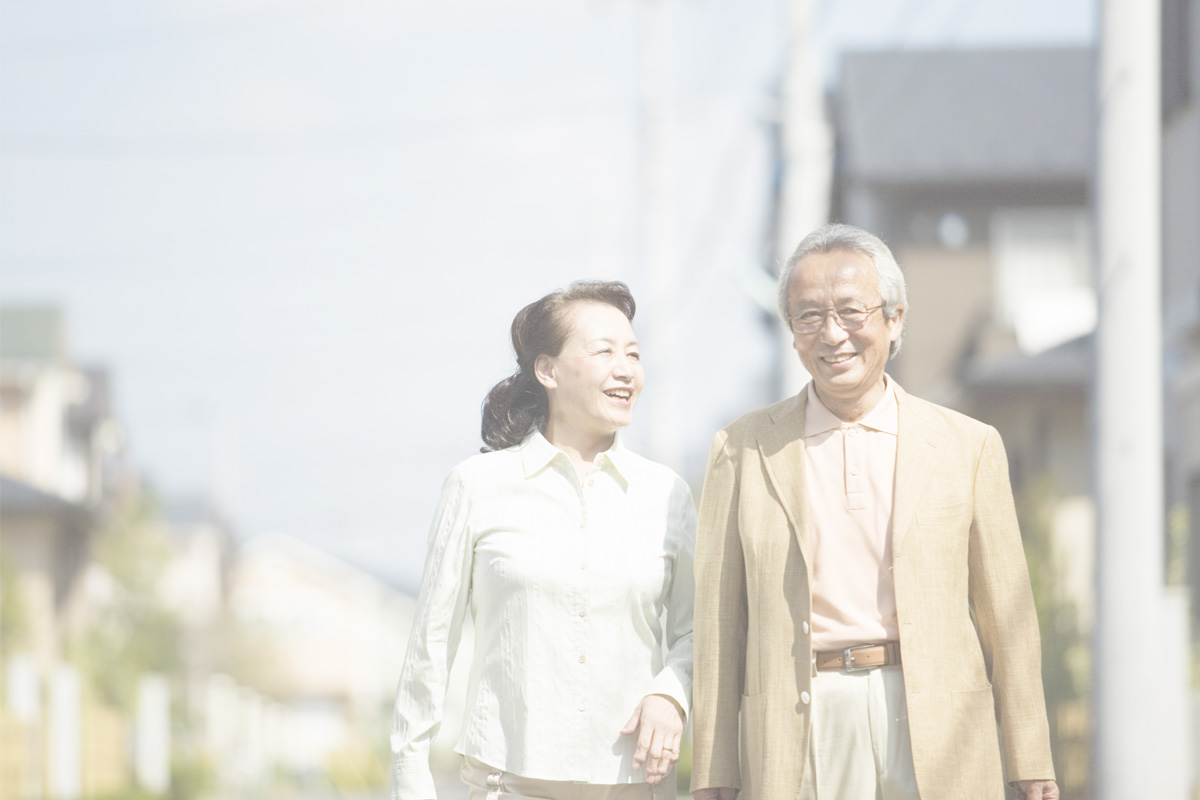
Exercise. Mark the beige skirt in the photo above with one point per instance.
(487, 783)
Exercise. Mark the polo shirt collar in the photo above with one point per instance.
(885, 417)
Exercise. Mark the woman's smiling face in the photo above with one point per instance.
(594, 382)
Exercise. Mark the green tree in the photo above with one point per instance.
(1066, 656)
(134, 633)
(14, 619)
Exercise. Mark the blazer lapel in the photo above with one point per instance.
(782, 450)
(918, 444)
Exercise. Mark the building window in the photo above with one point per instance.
(1041, 261)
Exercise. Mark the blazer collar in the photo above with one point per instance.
(921, 437)
(782, 449)
(919, 443)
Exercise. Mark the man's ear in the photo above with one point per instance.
(544, 369)
(896, 325)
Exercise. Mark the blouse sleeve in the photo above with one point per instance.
(675, 679)
(437, 627)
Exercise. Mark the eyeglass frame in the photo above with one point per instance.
(827, 312)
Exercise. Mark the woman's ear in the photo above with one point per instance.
(543, 368)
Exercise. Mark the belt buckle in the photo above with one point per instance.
(848, 658)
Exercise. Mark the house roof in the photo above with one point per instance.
(32, 333)
(19, 497)
(945, 116)
(1069, 365)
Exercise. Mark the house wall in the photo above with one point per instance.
(949, 294)
(34, 444)
(29, 544)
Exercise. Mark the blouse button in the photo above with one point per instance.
(582, 659)
(583, 612)
(591, 481)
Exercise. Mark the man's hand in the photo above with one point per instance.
(715, 794)
(1038, 790)
(661, 722)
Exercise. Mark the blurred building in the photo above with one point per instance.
(60, 463)
(1181, 306)
(1181, 276)
(60, 460)
(975, 166)
(57, 429)
(195, 580)
(326, 640)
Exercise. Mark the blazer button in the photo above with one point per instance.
(804, 698)
(804, 626)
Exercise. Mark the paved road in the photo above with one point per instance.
(449, 787)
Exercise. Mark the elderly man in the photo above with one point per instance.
(864, 622)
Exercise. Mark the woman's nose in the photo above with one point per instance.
(623, 366)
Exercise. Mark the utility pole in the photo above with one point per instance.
(1139, 705)
(806, 149)
(658, 225)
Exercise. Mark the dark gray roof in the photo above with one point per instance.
(32, 333)
(964, 115)
(1069, 365)
(19, 497)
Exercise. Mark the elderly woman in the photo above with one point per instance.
(574, 556)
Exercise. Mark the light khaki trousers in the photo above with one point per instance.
(486, 783)
(860, 747)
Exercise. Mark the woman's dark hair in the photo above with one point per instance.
(518, 404)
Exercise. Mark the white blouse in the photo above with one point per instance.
(582, 601)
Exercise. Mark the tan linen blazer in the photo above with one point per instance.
(968, 628)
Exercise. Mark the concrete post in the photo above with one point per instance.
(1132, 699)
(660, 259)
(64, 761)
(806, 146)
(152, 739)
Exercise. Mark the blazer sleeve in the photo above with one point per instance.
(437, 628)
(721, 620)
(1006, 617)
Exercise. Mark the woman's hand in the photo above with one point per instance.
(660, 720)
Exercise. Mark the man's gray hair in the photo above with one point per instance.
(834, 237)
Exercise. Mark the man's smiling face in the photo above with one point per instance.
(846, 366)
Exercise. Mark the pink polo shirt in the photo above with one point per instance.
(851, 471)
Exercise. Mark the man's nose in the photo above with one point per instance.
(831, 331)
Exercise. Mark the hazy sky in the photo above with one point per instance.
(297, 231)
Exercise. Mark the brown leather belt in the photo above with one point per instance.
(859, 657)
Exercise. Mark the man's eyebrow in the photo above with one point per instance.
(837, 302)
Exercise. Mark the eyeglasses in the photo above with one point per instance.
(848, 318)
